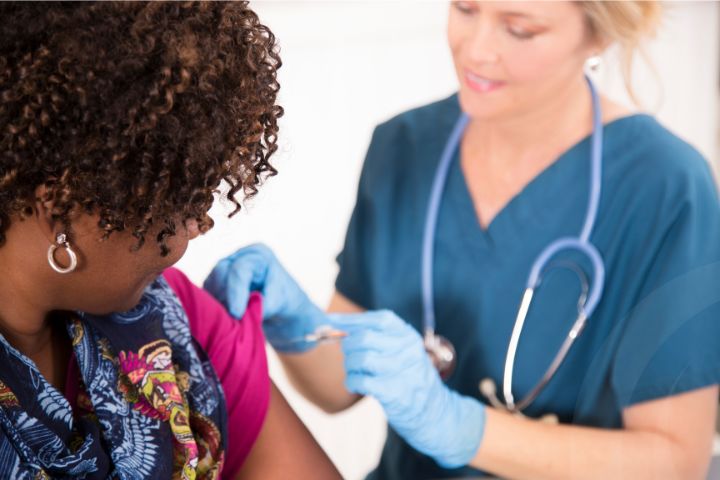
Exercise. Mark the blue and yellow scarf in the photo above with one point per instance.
(149, 404)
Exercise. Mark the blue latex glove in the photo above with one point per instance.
(288, 313)
(385, 358)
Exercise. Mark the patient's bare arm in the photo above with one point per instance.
(285, 448)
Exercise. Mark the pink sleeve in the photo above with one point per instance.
(236, 349)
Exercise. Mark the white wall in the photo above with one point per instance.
(348, 66)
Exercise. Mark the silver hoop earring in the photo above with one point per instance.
(61, 241)
(593, 63)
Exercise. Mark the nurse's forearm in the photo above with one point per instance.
(515, 447)
(319, 373)
(319, 376)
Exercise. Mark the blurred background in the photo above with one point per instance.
(350, 65)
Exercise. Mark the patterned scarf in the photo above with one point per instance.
(149, 404)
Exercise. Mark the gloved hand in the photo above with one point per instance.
(288, 313)
(385, 358)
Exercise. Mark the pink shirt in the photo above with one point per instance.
(236, 349)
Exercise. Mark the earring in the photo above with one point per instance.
(61, 241)
(593, 63)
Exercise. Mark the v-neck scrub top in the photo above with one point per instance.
(656, 331)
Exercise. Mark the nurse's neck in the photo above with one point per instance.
(536, 136)
(500, 157)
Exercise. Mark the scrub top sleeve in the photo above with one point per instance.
(670, 341)
(353, 280)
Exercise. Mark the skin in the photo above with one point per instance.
(109, 277)
(34, 301)
(537, 50)
(275, 452)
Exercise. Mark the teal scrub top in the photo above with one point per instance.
(656, 331)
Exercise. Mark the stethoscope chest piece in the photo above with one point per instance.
(489, 391)
(442, 354)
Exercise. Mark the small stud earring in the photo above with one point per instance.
(593, 63)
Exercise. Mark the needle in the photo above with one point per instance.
(325, 333)
(321, 334)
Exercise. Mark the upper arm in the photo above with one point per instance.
(687, 419)
(667, 337)
(285, 448)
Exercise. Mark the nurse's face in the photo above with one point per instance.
(511, 57)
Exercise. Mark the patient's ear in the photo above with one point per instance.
(42, 214)
(50, 227)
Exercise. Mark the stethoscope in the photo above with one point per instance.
(441, 349)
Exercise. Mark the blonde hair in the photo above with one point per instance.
(626, 23)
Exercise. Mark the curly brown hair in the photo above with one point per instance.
(135, 112)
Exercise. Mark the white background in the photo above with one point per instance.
(350, 65)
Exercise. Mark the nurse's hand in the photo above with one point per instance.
(288, 313)
(385, 358)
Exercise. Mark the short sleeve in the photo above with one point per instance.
(670, 342)
(353, 280)
(386, 223)
(236, 349)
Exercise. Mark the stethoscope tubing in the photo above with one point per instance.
(581, 243)
(433, 210)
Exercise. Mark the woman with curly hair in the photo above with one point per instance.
(119, 122)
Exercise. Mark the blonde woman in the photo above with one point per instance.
(550, 187)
